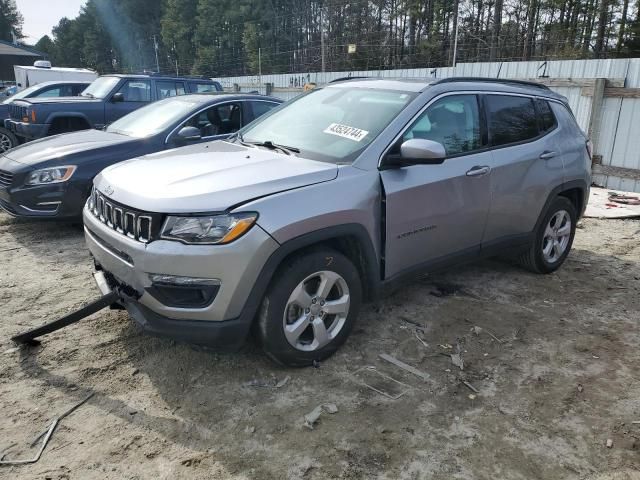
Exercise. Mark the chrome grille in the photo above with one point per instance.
(6, 178)
(137, 225)
(17, 112)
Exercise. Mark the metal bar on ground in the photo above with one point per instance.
(29, 336)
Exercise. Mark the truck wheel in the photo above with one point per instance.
(553, 238)
(310, 308)
(7, 140)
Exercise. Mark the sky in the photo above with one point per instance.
(40, 16)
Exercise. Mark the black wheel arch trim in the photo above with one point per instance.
(371, 282)
(563, 187)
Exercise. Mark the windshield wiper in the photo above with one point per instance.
(90, 95)
(275, 146)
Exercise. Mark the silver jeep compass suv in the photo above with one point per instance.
(328, 200)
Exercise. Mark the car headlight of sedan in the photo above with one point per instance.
(210, 229)
(46, 176)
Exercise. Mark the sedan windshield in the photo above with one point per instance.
(153, 118)
(333, 124)
(100, 87)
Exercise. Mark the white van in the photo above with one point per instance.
(42, 71)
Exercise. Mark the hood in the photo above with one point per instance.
(78, 99)
(208, 177)
(65, 145)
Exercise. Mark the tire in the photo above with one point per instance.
(553, 238)
(295, 298)
(7, 140)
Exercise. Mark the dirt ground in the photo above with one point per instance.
(556, 365)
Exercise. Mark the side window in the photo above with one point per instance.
(453, 121)
(168, 88)
(217, 120)
(511, 119)
(204, 88)
(50, 92)
(547, 118)
(260, 108)
(76, 89)
(136, 91)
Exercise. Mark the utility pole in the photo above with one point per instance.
(455, 41)
(155, 46)
(322, 45)
(260, 66)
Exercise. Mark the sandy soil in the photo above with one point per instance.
(559, 379)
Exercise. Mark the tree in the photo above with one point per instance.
(46, 45)
(10, 21)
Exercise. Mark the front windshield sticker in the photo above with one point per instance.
(346, 131)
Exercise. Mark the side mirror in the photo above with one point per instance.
(416, 151)
(421, 151)
(118, 97)
(188, 134)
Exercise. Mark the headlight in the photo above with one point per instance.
(211, 229)
(51, 175)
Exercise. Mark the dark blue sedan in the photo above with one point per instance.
(52, 177)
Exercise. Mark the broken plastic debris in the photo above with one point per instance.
(310, 419)
(456, 360)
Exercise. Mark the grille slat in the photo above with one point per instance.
(6, 178)
(140, 226)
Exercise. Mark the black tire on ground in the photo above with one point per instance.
(7, 140)
(533, 259)
(271, 319)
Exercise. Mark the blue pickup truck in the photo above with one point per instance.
(107, 99)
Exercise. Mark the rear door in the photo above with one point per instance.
(438, 212)
(525, 161)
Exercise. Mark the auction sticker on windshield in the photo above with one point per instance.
(345, 131)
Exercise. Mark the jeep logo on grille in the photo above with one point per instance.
(109, 190)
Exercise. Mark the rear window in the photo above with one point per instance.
(511, 119)
(205, 87)
(547, 118)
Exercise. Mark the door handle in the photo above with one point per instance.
(546, 155)
(478, 171)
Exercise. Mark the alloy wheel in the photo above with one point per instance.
(316, 311)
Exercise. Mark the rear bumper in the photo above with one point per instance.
(27, 130)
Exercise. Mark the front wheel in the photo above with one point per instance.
(553, 238)
(310, 308)
(7, 140)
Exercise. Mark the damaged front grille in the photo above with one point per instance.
(135, 224)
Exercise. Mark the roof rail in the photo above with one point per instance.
(344, 79)
(508, 81)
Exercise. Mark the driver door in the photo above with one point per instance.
(436, 213)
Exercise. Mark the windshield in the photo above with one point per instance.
(332, 124)
(23, 93)
(100, 87)
(154, 118)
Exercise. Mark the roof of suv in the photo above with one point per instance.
(158, 77)
(454, 83)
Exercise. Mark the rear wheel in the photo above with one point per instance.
(7, 140)
(553, 238)
(310, 308)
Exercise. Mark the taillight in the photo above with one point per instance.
(33, 116)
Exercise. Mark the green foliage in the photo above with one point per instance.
(244, 37)
(10, 20)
